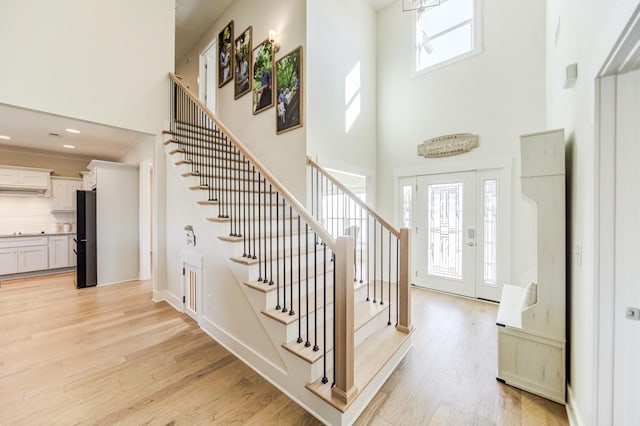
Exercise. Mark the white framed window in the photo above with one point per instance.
(447, 33)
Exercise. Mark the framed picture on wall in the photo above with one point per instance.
(289, 91)
(242, 63)
(225, 55)
(262, 77)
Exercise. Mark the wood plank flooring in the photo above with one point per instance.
(110, 355)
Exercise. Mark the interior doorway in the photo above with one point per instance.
(208, 76)
(458, 231)
(617, 205)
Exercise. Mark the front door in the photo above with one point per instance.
(445, 249)
(456, 230)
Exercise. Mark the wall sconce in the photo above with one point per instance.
(272, 40)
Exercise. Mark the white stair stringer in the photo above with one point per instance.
(298, 373)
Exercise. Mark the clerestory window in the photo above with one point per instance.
(447, 32)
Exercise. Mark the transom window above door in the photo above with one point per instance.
(447, 32)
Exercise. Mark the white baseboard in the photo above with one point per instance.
(255, 361)
(170, 298)
(573, 411)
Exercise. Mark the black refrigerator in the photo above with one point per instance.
(87, 268)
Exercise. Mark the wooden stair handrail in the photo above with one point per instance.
(354, 197)
(277, 185)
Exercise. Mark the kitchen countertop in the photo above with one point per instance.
(35, 234)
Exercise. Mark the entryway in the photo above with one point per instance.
(456, 240)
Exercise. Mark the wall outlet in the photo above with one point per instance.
(633, 314)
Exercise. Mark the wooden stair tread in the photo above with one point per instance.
(209, 203)
(205, 155)
(286, 318)
(217, 176)
(266, 288)
(202, 164)
(370, 356)
(363, 313)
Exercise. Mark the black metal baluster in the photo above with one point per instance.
(315, 293)
(277, 250)
(333, 260)
(264, 211)
(368, 259)
(389, 299)
(299, 285)
(306, 260)
(255, 236)
(270, 235)
(284, 253)
(381, 264)
(291, 311)
(324, 311)
(259, 219)
(242, 188)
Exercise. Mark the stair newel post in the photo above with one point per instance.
(397, 280)
(404, 324)
(344, 388)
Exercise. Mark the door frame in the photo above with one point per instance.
(505, 192)
(202, 74)
(604, 243)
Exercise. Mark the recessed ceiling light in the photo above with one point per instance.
(5, 137)
(72, 130)
(69, 146)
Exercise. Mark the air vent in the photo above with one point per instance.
(55, 135)
(571, 75)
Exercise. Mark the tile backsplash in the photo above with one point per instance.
(29, 214)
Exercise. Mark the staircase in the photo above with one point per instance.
(336, 307)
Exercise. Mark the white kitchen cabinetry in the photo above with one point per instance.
(73, 258)
(8, 260)
(58, 251)
(24, 179)
(33, 258)
(63, 194)
(532, 319)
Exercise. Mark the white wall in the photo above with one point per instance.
(117, 222)
(336, 45)
(498, 95)
(586, 36)
(224, 304)
(30, 214)
(105, 62)
(284, 155)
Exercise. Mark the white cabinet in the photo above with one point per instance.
(58, 251)
(73, 258)
(532, 319)
(24, 178)
(33, 258)
(8, 260)
(63, 194)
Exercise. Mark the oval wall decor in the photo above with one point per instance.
(443, 146)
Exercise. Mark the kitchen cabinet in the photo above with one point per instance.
(24, 179)
(73, 258)
(8, 260)
(63, 194)
(58, 251)
(33, 258)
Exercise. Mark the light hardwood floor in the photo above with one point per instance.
(110, 355)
